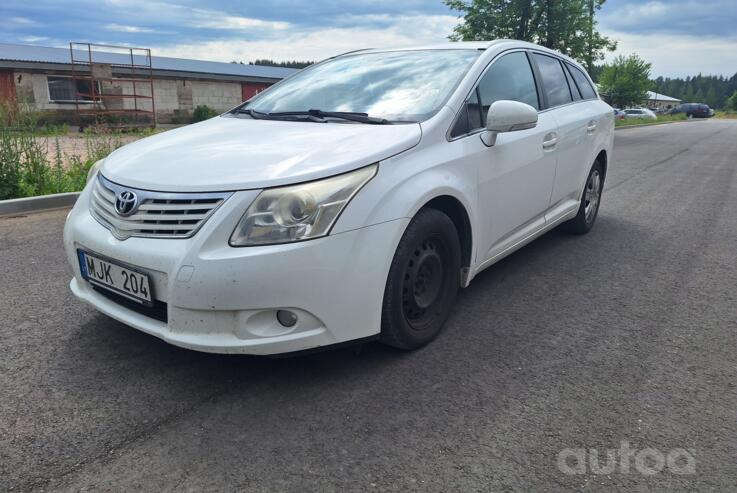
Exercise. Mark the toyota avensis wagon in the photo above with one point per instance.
(349, 201)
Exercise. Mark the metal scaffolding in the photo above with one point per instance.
(113, 85)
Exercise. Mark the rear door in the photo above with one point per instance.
(574, 119)
(583, 121)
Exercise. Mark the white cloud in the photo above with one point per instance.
(33, 39)
(680, 55)
(204, 18)
(128, 29)
(20, 22)
(319, 44)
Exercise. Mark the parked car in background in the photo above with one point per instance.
(693, 110)
(350, 201)
(639, 113)
(619, 114)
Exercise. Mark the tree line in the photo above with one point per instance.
(272, 63)
(626, 79)
(709, 89)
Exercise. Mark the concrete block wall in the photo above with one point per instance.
(24, 88)
(220, 96)
(174, 99)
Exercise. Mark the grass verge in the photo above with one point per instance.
(661, 119)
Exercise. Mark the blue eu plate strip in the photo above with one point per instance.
(82, 264)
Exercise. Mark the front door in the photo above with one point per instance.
(515, 179)
(516, 175)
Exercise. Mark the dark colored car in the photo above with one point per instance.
(693, 110)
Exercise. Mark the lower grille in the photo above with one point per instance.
(159, 311)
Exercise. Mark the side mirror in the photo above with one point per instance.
(508, 116)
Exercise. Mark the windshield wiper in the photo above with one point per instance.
(252, 113)
(342, 115)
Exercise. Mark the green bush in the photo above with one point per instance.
(203, 112)
(25, 167)
(731, 104)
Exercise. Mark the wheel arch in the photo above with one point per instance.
(602, 158)
(456, 211)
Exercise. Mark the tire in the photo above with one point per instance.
(423, 281)
(590, 202)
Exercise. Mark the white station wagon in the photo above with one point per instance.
(350, 201)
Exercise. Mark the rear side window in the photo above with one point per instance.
(572, 85)
(587, 92)
(554, 80)
(509, 78)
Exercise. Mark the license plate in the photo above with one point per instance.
(110, 275)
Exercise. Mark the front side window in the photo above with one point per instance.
(66, 89)
(554, 80)
(508, 78)
(397, 86)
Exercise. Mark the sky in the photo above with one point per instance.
(679, 37)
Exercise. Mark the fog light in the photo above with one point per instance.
(286, 318)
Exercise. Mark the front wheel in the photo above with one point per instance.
(423, 281)
(590, 201)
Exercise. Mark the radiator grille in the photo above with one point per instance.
(155, 214)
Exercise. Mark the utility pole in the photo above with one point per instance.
(590, 54)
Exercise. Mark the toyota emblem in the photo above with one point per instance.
(126, 203)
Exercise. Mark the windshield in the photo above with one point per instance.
(397, 86)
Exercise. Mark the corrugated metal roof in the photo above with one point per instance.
(45, 54)
(654, 96)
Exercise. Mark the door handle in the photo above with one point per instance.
(591, 127)
(551, 140)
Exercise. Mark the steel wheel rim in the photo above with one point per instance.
(425, 275)
(592, 196)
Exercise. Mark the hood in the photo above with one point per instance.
(227, 153)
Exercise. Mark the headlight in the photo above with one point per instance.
(94, 169)
(298, 212)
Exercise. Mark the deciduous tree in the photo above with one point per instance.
(568, 26)
(625, 81)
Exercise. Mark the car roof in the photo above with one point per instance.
(450, 45)
(500, 44)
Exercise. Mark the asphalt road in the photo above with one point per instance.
(626, 334)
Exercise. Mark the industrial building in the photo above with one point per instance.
(124, 84)
(660, 101)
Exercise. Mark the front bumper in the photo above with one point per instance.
(224, 300)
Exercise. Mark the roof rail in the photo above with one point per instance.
(349, 52)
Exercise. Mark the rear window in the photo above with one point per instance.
(554, 80)
(587, 91)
